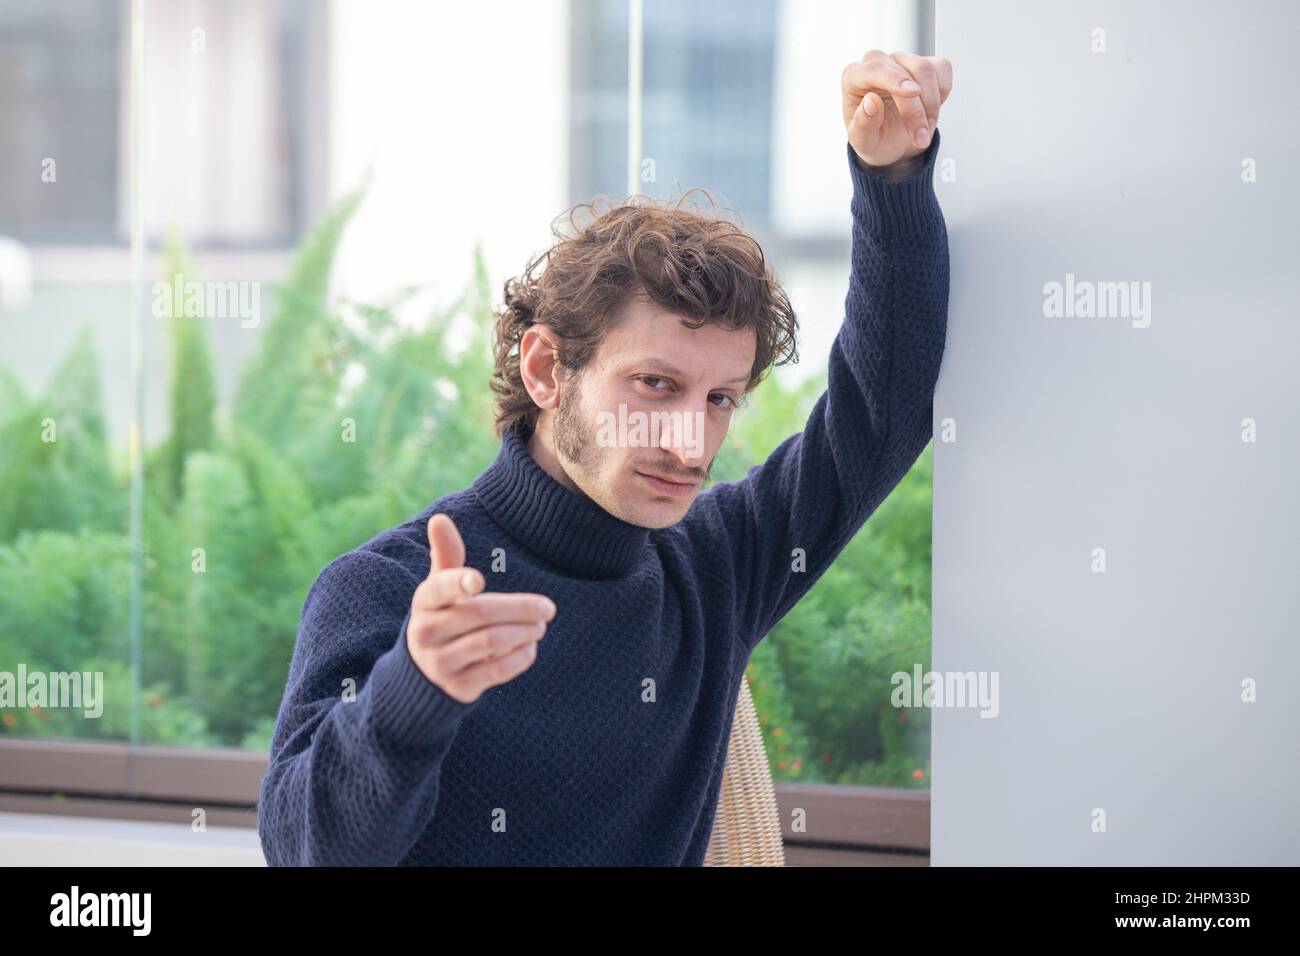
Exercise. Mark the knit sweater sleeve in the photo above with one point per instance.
(361, 734)
(791, 516)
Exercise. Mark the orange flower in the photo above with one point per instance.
(918, 773)
(10, 720)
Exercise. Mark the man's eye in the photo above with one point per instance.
(651, 378)
(727, 397)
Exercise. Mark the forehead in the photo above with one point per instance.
(645, 328)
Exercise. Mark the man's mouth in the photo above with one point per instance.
(669, 486)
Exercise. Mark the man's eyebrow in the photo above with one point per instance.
(668, 368)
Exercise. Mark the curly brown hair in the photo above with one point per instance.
(694, 263)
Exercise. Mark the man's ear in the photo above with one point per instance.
(538, 366)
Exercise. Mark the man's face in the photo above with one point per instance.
(678, 388)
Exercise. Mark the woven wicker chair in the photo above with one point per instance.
(747, 826)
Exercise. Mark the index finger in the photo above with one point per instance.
(490, 607)
(878, 71)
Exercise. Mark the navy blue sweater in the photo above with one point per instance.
(574, 762)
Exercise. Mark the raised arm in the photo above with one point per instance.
(792, 515)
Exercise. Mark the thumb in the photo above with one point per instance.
(446, 549)
(866, 127)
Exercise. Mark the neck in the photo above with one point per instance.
(562, 525)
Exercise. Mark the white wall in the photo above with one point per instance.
(1120, 689)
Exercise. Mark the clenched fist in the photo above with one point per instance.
(464, 641)
(891, 105)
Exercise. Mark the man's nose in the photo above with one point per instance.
(682, 436)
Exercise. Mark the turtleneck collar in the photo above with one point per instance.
(556, 523)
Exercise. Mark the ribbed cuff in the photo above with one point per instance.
(891, 209)
(405, 703)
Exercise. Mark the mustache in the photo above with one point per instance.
(663, 468)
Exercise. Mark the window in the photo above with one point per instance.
(60, 95)
(182, 583)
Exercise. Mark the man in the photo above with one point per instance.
(543, 668)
